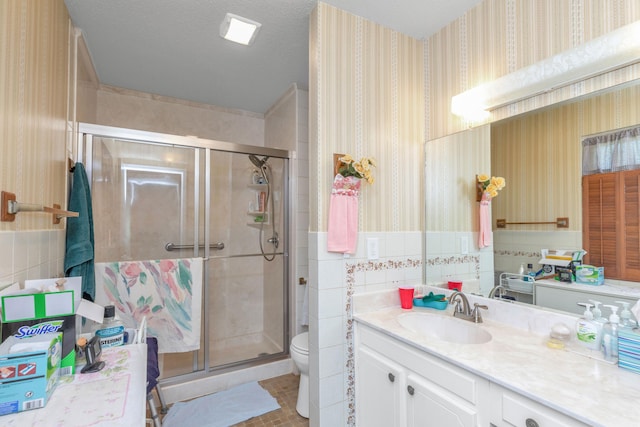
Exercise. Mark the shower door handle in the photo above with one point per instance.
(173, 247)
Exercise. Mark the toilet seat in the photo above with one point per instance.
(300, 343)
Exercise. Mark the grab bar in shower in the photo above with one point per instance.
(173, 247)
(245, 255)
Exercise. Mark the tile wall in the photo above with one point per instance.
(33, 254)
(334, 280)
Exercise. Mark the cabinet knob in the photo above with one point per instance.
(392, 377)
(411, 390)
(530, 422)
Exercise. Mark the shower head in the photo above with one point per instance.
(259, 163)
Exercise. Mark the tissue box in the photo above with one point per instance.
(629, 349)
(29, 371)
(30, 314)
(589, 275)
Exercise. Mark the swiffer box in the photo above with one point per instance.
(29, 371)
(39, 310)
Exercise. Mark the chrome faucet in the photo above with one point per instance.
(458, 297)
(498, 289)
(462, 309)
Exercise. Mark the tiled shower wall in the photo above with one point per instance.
(286, 127)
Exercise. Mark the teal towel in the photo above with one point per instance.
(78, 259)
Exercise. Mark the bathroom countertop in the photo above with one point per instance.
(607, 288)
(574, 380)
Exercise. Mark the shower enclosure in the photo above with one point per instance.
(158, 196)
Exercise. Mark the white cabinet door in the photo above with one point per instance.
(378, 389)
(431, 406)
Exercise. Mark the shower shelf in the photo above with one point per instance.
(258, 188)
(257, 214)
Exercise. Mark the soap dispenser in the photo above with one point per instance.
(599, 320)
(625, 316)
(610, 335)
(587, 331)
(597, 313)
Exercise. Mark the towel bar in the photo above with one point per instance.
(10, 207)
(173, 247)
(559, 222)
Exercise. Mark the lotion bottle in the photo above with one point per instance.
(587, 331)
(610, 335)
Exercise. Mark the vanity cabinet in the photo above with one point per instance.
(399, 385)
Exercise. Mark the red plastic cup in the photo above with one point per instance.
(457, 285)
(406, 296)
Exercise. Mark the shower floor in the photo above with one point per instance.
(173, 364)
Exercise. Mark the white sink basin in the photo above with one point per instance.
(444, 328)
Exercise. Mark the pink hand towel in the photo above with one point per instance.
(342, 229)
(485, 237)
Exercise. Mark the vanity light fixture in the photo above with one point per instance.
(238, 29)
(606, 53)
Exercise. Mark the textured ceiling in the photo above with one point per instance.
(173, 48)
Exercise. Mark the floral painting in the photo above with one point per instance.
(167, 292)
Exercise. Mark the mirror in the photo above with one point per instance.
(539, 154)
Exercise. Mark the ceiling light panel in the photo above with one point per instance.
(238, 29)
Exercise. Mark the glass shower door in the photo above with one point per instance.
(246, 289)
(157, 200)
(145, 197)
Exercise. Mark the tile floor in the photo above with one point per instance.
(285, 390)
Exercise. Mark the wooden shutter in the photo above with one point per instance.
(611, 223)
(599, 222)
(630, 260)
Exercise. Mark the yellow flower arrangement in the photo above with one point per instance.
(361, 169)
(492, 185)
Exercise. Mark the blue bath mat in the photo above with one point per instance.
(222, 409)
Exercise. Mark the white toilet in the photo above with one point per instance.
(299, 350)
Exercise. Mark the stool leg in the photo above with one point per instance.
(163, 405)
(154, 413)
